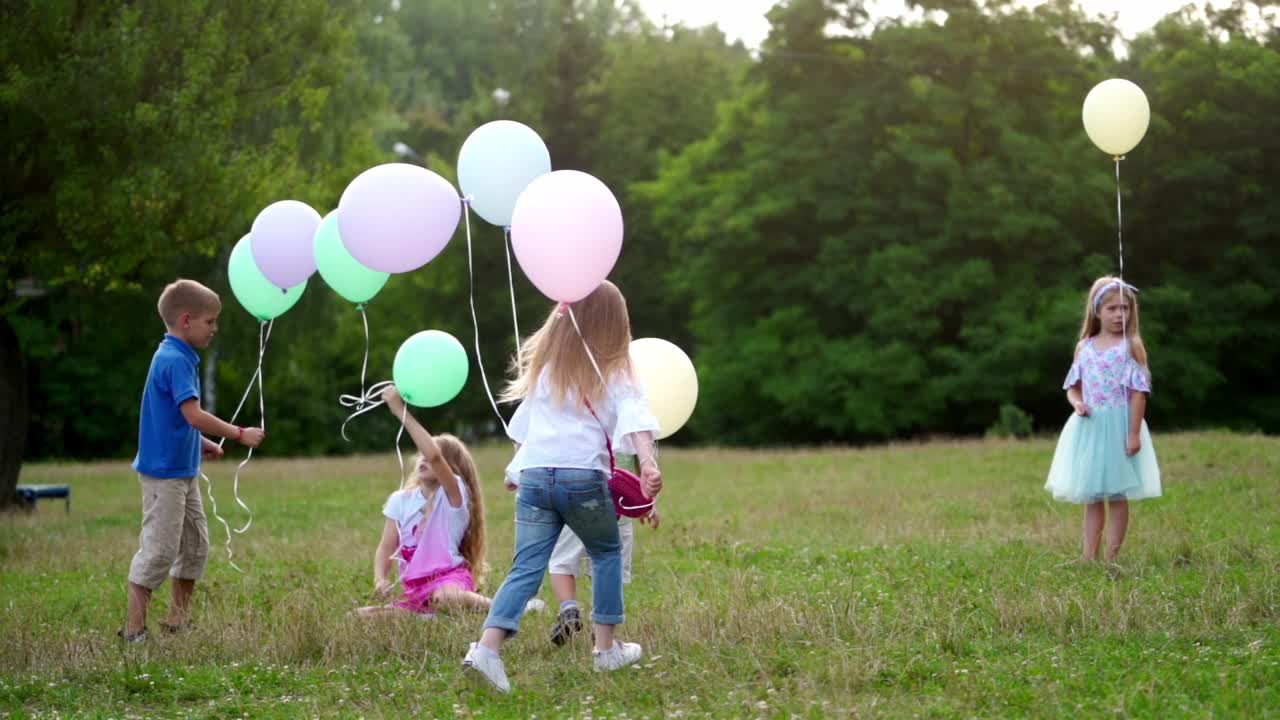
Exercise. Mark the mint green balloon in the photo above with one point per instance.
(345, 274)
(430, 368)
(254, 291)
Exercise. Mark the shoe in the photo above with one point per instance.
(175, 629)
(481, 663)
(617, 657)
(568, 622)
(535, 605)
(134, 639)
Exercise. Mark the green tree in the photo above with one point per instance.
(890, 232)
(859, 238)
(1203, 217)
(145, 135)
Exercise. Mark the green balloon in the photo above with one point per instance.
(254, 291)
(345, 274)
(430, 368)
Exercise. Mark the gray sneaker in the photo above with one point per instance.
(568, 623)
(617, 657)
(481, 663)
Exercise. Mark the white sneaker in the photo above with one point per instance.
(484, 663)
(617, 657)
(535, 604)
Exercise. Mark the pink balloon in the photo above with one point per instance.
(566, 231)
(281, 242)
(396, 217)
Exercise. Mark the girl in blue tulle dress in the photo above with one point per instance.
(1104, 455)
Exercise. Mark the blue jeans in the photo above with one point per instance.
(549, 499)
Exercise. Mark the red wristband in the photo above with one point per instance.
(239, 434)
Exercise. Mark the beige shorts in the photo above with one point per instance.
(175, 534)
(570, 556)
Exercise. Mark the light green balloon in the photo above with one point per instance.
(430, 368)
(345, 274)
(254, 291)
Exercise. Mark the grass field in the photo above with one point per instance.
(915, 580)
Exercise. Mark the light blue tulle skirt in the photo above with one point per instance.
(1089, 464)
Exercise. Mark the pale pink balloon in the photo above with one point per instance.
(396, 217)
(281, 242)
(566, 231)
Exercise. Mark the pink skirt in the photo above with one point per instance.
(418, 591)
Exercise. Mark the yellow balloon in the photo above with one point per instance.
(1116, 115)
(670, 382)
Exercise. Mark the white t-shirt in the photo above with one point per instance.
(406, 507)
(565, 435)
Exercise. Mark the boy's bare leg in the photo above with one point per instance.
(139, 598)
(180, 602)
(565, 587)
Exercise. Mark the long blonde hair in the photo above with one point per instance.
(474, 543)
(556, 348)
(1092, 324)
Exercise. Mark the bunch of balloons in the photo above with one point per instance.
(565, 228)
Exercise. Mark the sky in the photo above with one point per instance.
(744, 19)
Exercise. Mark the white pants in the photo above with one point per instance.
(569, 556)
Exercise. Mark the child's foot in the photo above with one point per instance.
(174, 629)
(132, 638)
(619, 656)
(482, 663)
(568, 622)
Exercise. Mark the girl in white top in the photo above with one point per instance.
(575, 384)
(434, 527)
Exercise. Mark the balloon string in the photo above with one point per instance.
(1124, 318)
(359, 401)
(264, 334)
(471, 295)
(591, 356)
(511, 285)
(214, 504)
(400, 457)
(371, 399)
(1119, 218)
(364, 364)
(257, 374)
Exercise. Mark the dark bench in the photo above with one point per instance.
(29, 494)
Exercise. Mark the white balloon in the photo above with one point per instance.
(669, 379)
(1116, 115)
(496, 163)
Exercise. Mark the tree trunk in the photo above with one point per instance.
(210, 383)
(14, 412)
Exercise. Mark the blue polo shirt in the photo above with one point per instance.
(168, 446)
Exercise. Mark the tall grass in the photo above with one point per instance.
(932, 579)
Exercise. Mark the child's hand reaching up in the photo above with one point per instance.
(392, 398)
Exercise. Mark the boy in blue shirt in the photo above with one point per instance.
(175, 533)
